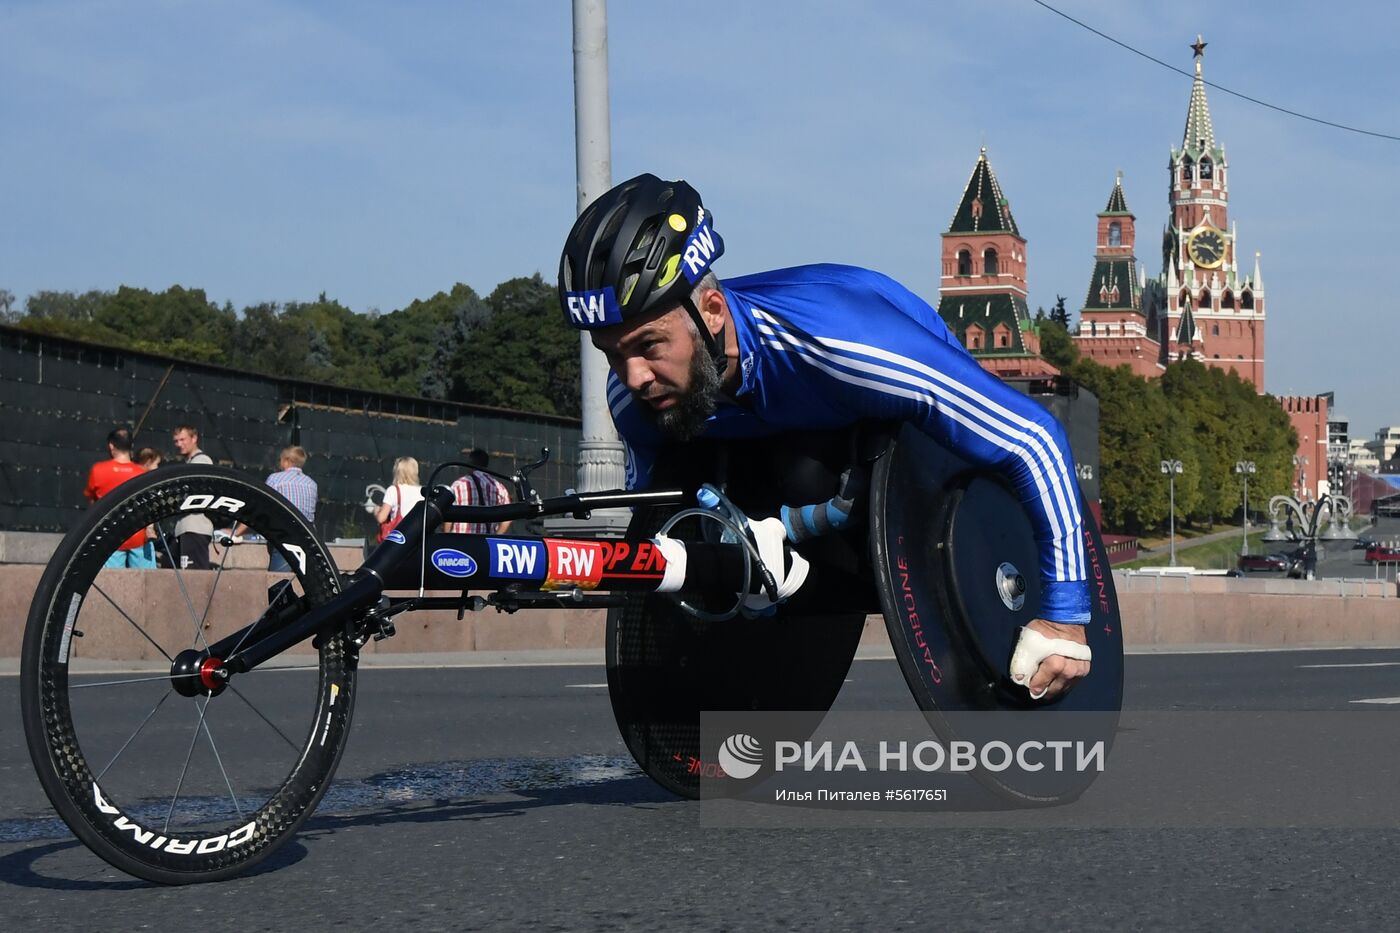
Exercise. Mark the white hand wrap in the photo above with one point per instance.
(789, 568)
(1033, 647)
(673, 577)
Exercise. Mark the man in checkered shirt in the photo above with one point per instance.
(478, 488)
(298, 489)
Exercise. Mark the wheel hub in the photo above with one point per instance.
(193, 674)
(1011, 586)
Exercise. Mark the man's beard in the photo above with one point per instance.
(686, 419)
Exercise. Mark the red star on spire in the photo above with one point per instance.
(1199, 46)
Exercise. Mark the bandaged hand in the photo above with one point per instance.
(1050, 657)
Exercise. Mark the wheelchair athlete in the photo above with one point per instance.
(812, 347)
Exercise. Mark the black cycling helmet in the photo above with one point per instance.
(639, 248)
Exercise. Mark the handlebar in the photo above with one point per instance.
(577, 504)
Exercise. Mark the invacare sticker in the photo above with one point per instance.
(591, 309)
(453, 562)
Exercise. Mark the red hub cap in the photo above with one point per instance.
(207, 676)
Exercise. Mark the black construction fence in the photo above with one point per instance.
(59, 398)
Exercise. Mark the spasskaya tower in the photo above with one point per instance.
(1207, 304)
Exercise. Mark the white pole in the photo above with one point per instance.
(600, 453)
(1171, 483)
(1244, 525)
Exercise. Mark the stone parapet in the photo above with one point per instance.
(1159, 613)
(35, 547)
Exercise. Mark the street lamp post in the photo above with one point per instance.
(1172, 468)
(1246, 469)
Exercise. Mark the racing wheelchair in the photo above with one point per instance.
(129, 751)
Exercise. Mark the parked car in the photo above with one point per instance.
(1264, 562)
(1362, 543)
(1383, 554)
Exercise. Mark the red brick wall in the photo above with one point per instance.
(1308, 415)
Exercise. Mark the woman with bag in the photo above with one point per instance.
(403, 495)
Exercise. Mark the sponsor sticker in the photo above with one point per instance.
(202, 501)
(326, 729)
(701, 249)
(298, 553)
(395, 537)
(573, 563)
(517, 560)
(595, 308)
(632, 559)
(453, 562)
(147, 837)
(72, 617)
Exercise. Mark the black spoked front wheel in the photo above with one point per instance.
(163, 769)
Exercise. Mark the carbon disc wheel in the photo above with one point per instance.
(162, 769)
(666, 669)
(957, 570)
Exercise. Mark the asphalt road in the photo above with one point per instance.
(502, 798)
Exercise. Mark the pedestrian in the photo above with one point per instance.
(479, 487)
(194, 531)
(405, 492)
(149, 459)
(108, 475)
(294, 486)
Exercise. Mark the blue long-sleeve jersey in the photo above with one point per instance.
(825, 346)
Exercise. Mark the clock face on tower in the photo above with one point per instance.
(1207, 248)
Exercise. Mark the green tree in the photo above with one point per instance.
(342, 347)
(1137, 432)
(1230, 422)
(64, 306)
(1056, 346)
(177, 322)
(467, 319)
(410, 339)
(1058, 314)
(525, 356)
(262, 341)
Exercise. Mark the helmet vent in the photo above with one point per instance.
(614, 223)
(627, 285)
(658, 250)
(645, 237)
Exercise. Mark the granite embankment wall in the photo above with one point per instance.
(1159, 613)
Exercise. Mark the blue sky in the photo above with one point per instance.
(272, 150)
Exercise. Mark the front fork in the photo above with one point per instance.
(288, 622)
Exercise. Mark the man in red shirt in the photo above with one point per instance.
(108, 475)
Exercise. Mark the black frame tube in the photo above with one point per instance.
(362, 593)
(279, 630)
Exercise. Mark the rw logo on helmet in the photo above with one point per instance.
(701, 249)
(596, 308)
